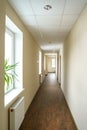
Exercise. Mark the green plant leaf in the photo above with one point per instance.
(9, 73)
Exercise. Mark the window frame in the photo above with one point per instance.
(18, 87)
(12, 34)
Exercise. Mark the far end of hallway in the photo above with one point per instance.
(49, 110)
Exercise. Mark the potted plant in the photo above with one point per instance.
(9, 73)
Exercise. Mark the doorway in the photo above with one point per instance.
(50, 63)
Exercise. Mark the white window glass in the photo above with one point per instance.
(9, 50)
(53, 63)
(9, 55)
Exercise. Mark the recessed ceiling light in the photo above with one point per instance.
(47, 7)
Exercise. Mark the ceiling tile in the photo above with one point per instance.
(22, 7)
(48, 29)
(52, 37)
(57, 7)
(74, 6)
(29, 20)
(65, 28)
(51, 47)
(73, 10)
(35, 32)
(74, 3)
(62, 34)
(69, 20)
(48, 20)
(85, 1)
(53, 25)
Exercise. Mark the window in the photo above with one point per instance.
(13, 55)
(53, 63)
(9, 55)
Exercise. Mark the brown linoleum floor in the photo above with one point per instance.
(49, 110)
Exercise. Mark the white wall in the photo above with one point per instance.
(30, 64)
(75, 71)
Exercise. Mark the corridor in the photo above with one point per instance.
(48, 110)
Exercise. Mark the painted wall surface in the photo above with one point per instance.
(61, 65)
(75, 71)
(43, 65)
(30, 63)
(2, 29)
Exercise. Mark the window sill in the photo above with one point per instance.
(12, 95)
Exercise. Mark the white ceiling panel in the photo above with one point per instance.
(49, 26)
(35, 32)
(61, 35)
(53, 48)
(69, 19)
(65, 28)
(22, 7)
(57, 7)
(48, 29)
(75, 3)
(74, 6)
(29, 20)
(48, 20)
(73, 10)
(52, 37)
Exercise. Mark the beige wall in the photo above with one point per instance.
(43, 63)
(61, 65)
(30, 63)
(75, 71)
(2, 29)
(59, 68)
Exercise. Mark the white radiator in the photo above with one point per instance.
(17, 114)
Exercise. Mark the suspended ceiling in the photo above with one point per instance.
(49, 27)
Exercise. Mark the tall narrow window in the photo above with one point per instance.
(53, 63)
(13, 57)
(9, 56)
